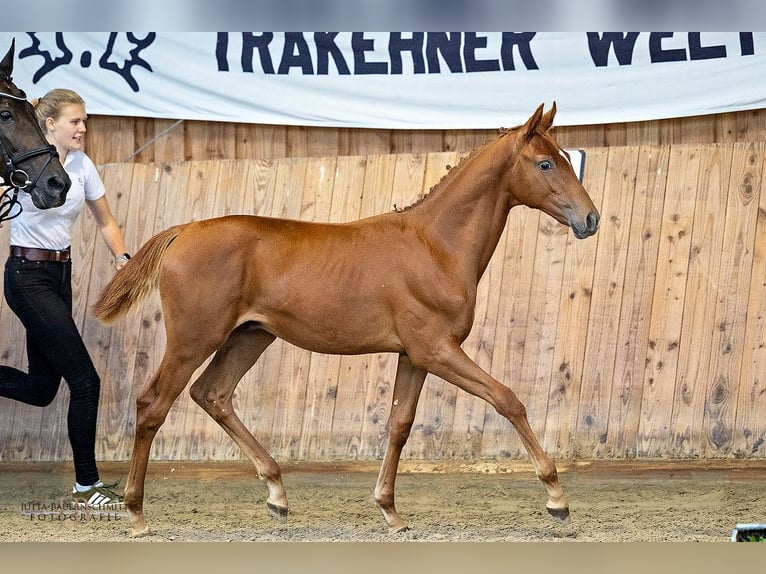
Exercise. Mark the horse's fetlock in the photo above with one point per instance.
(546, 472)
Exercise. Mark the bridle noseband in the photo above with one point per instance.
(18, 179)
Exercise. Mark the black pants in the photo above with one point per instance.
(40, 293)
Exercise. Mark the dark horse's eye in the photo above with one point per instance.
(545, 165)
(5, 115)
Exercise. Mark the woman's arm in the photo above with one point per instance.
(109, 229)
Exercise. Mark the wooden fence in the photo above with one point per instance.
(646, 340)
(113, 139)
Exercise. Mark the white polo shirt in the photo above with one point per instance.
(51, 228)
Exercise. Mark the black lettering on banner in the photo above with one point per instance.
(436, 52)
(250, 42)
(326, 47)
(222, 51)
(475, 42)
(623, 45)
(524, 42)
(747, 47)
(414, 45)
(446, 44)
(360, 45)
(699, 52)
(296, 55)
(659, 54)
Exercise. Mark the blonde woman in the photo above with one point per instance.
(38, 289)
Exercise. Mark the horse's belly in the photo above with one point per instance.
(335, 331)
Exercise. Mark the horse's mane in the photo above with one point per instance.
(501, 132)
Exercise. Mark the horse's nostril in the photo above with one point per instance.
(592, 221)
(56, 183)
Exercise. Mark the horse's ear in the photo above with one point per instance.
(533, 122)
(6, 65)
(547, 120)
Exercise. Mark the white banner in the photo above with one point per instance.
(397, 80)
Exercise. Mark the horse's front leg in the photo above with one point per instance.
(454, 366)
(409, 383)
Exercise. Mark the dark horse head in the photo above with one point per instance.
(29, 162)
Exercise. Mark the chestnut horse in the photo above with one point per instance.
(30, 163)
(402, 282)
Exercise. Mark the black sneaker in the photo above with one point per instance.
(98, 495)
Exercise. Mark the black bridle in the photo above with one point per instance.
(18, 179)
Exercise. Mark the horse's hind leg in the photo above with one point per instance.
(213, 391)
(152, 406)
(409, 383)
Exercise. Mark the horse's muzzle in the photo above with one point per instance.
(589, 226)
(53, 194)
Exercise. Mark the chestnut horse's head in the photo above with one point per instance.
(29, 162)
(542, 177)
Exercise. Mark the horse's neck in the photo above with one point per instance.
(467, 212)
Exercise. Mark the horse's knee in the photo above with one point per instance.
(149, 417)
(511, 407)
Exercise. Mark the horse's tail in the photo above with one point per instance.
(139, 277)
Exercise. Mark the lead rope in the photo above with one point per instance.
(8, 201)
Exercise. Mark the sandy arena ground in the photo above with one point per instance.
(635, 501)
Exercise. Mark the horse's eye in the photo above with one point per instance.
(545, 165)
(5, 115)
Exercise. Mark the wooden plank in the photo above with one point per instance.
(326, 182)
(167, 142)
(262, 142)
(633, 333)
(701, 294)
(258, 391)
(538, 373)
(117, 181)
(732, 304)
(668, 304)
(188, 427)
(233, 188)
(173, 192)
(256, 394)
(116, 345)
(409, 173)
(522, 232)
(467, 428)
(317, 440)
(291, 376)
(436, 408)
(591, 299)
(228, 194)
(206, 141)
(112, 139)
(364, 142)
(749, 432)
(354, 372)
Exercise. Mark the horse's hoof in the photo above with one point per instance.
(140, 533)
(278, 512)
(559, 514)
(403, 527)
